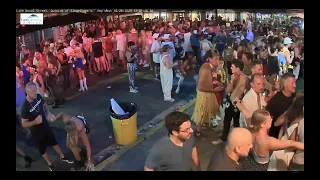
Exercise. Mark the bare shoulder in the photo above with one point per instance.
(204, 67)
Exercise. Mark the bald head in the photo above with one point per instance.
(239, 141)
(237, 136)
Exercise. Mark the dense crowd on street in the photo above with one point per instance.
(249, 68)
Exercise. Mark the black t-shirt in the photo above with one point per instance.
(211, 37)
(30, 111)
(220, 161)
(277, 105)
(79, 39)
(273, 65)
(97, 49)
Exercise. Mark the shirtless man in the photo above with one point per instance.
(187, 66)
(206, 106)
(234, 90)
(77, 129)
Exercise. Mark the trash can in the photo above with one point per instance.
(125, 126)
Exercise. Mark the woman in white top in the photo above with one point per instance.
(293, 120)
(166, 73)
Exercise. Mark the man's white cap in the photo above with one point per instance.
(166, 36)
(155, 35)
(59, 41)
(52, 45)
(170, 24)
(195, 32)
(177, 33)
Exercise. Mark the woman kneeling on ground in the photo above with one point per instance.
(77, 129)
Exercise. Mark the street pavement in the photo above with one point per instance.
(94, 105)
(134, 159)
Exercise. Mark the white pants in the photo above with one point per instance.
(166, 83)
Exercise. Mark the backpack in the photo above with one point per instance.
(228, 54)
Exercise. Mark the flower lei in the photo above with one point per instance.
(223, 75)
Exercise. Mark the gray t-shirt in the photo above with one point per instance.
(166, 156)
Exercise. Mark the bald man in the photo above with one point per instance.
(227, 156)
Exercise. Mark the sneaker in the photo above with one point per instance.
(136, 88)
(169, 100)
(218, 118)
(157, 79)
(146, 65)
(177, 90)
(217, 142)
(86, 88)
(134, 91)
(65, 159)
(214, 123)
(81, 90)
(28, 161)
(51, 167)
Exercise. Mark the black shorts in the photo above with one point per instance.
(44, 139)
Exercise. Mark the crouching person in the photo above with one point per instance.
(77, 130)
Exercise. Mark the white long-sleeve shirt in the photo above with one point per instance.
(156, 47)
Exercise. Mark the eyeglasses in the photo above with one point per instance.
(187, 130)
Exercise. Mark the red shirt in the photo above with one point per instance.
(109, 45)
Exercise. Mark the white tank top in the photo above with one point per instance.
(163, 68)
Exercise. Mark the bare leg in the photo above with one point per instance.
(76, 152)
(20, 151)
(97, 60)
(46, 158)
(58, 150)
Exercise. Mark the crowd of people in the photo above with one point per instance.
(253, 76)
(260, 99)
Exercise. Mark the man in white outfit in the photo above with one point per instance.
(166, 73)
(155, 50)
(187, 43)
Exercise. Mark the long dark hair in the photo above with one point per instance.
(296, 108)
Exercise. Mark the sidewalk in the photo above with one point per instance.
(94, 104)
(135, 158)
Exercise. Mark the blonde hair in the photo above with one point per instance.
(257, 119)
(72, 134)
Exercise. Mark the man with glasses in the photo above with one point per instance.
(176, 151)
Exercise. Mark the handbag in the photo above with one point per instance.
(280, 160)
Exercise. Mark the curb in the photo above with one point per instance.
(149, 133)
